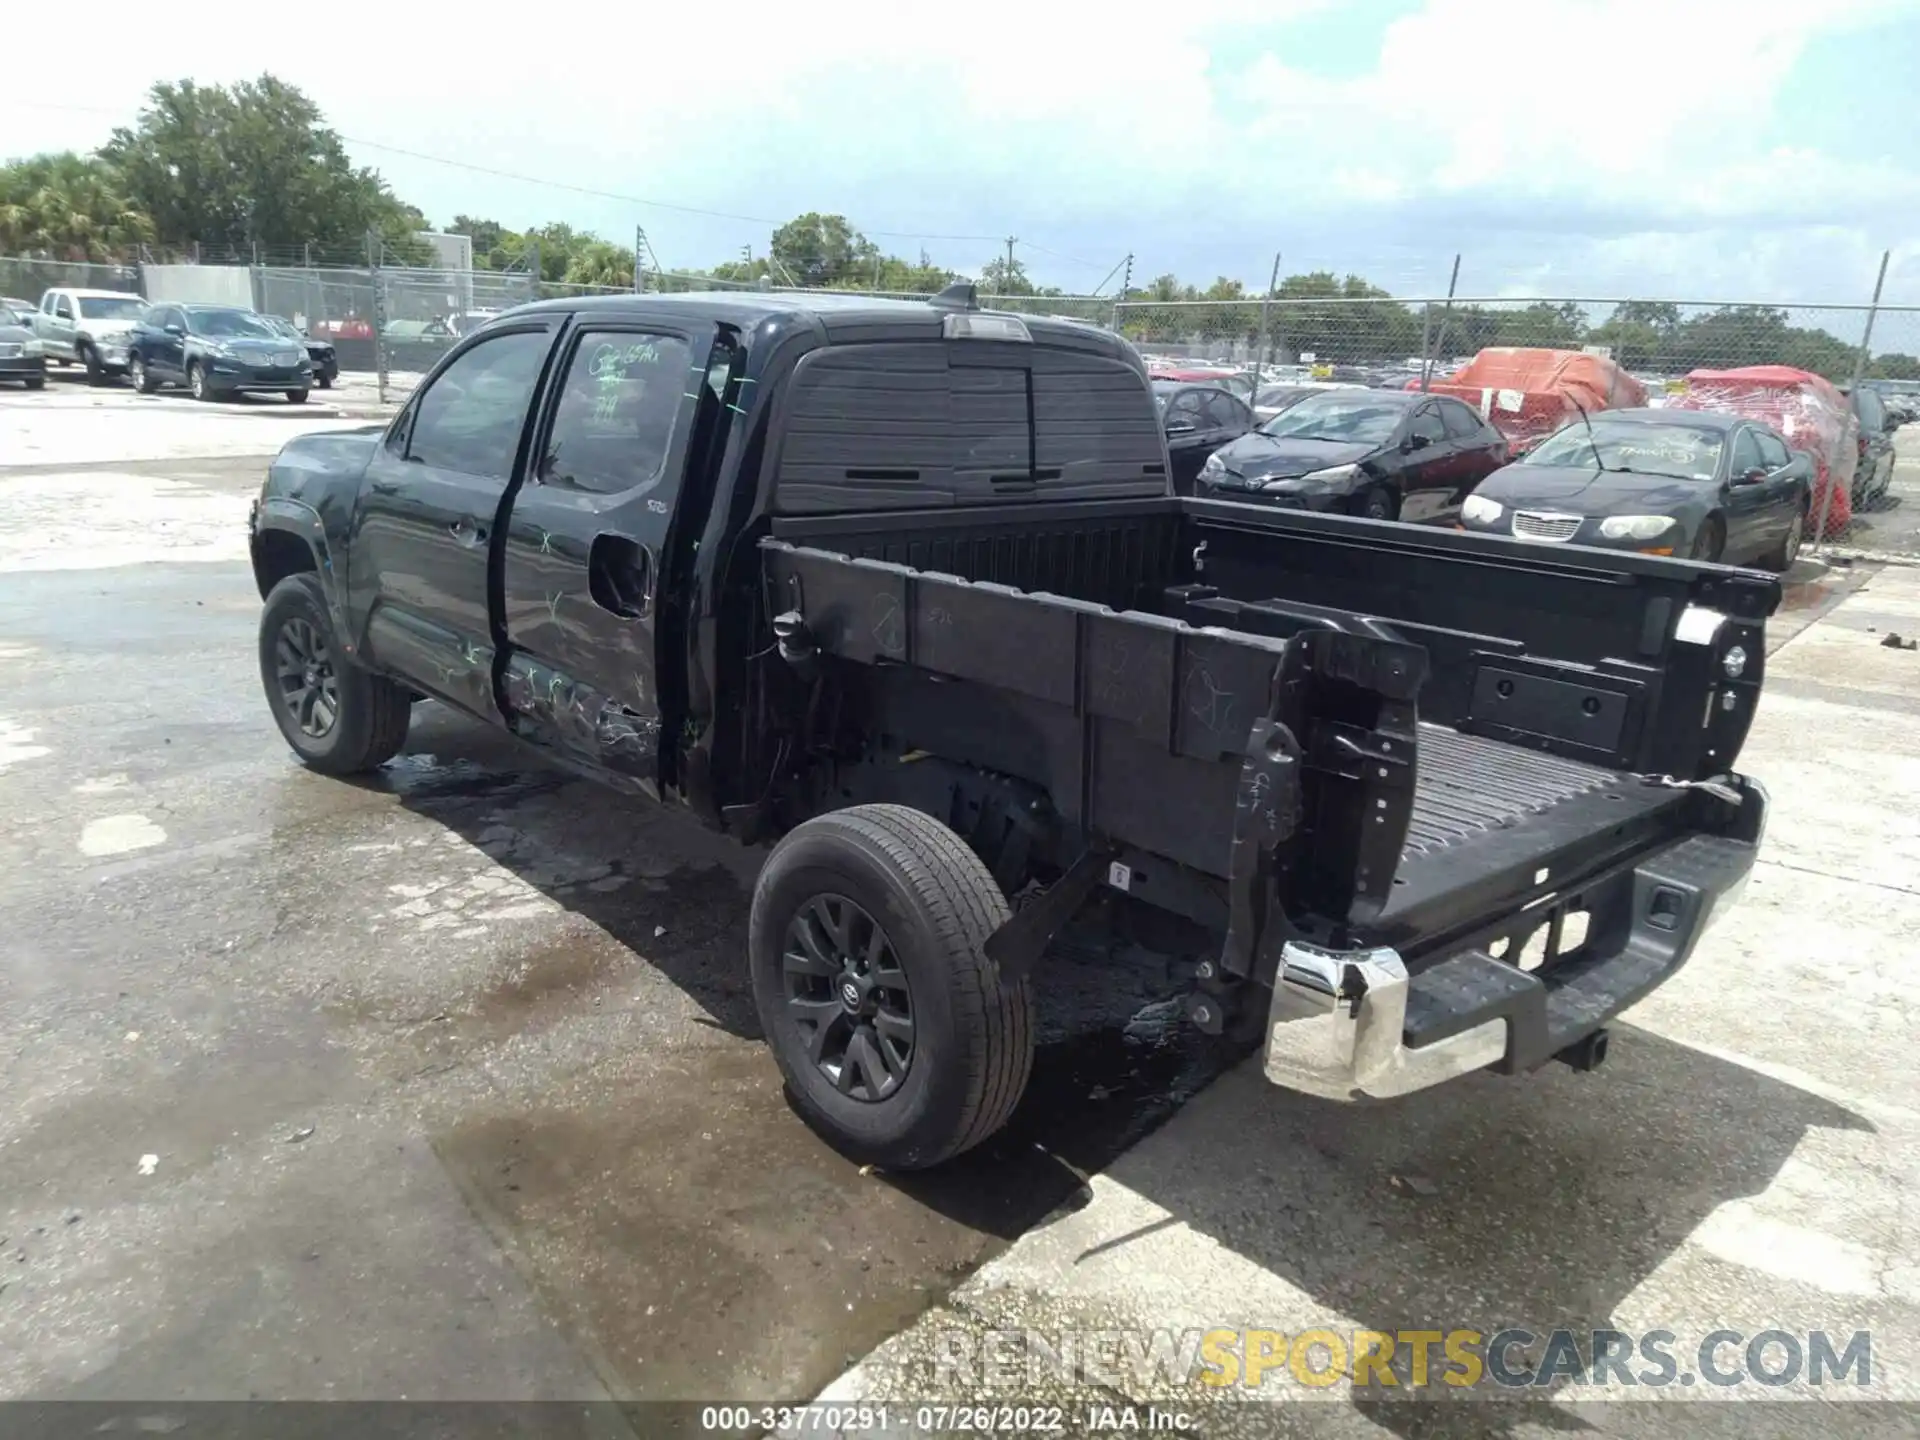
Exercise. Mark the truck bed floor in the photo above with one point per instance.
(1469, 785)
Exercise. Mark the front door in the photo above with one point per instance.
(166, 354)
(1430, 474)
(423, 528)
(587, 536)
(1748, 504)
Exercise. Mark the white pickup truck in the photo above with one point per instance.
(89, 327)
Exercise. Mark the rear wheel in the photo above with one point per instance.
(1709, 540)
(900, 1041)
(339, 718)
(1782, 556)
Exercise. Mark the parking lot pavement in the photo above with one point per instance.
(1747, 1159)
(443, 1085)
(73, 423)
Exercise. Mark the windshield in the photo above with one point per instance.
(226, 324)
(278, 325)
(116, 307)
(1681, 451)
(1355, 419)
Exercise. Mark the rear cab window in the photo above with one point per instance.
(913, 423)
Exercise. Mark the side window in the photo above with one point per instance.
(469, 419)
(1773, 450)
(1426, 423)
(1224, 412)
(1186, 408)
(1462, 423)
(1746, 453)
(46, 303)
(63, 307)
(618, 407)
(1873, 418)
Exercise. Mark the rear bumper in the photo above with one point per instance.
(1351, 1025)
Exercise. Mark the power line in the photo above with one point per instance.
(587, 190)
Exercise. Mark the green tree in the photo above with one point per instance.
(1895, 365)
(68, 207)
(1544, 325)
(1005, 277)
(819, 251)
(252, 163)
(599, 262)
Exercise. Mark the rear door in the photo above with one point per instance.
(423, 528)
(588, 531)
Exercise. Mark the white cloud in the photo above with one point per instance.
(1539, 135)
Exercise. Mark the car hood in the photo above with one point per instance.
(1577, 491)
(1269, 457)
(15, 334)
(109, 327)
(250, 346)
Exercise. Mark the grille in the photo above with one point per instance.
(1539, 525)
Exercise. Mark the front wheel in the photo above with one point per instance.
(199, 385)
(326, 381)
(143, 380)
(37, 382)
(296, 397)
(339, 718)
(1709, 540)
(90, 358)
(900, 1041)
(1375, 503)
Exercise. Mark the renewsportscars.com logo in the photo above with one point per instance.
(1460, 1359)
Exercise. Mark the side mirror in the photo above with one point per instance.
(1418, 442)
(176, 330)
(1755, 476)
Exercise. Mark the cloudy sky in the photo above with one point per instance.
(1689, 149)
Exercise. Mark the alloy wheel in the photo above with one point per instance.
(309, 688)
(848, 996)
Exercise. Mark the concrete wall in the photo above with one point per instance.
(200, 285)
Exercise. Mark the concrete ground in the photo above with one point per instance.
(447, 1086)
(1891, 526)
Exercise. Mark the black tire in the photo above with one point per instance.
(369, 714)
(142, 378)
(296, 397)
(1376, 502)
(36, 382)
(325, 381)
(199, 383)
(1780, 559)
(934, 903)
(90, 357)
(1709, 540)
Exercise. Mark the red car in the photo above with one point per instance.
(1809, 411)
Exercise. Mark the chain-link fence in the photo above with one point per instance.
(25, 281)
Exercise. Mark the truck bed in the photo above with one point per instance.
(1124, 651)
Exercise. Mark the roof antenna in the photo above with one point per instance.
(960, 295)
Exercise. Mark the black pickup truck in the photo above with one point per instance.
(902, 587)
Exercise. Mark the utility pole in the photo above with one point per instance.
(639, 249)
(1007, 280)
(1430, 351)
(1860, 362)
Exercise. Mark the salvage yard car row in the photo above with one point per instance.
(212, 351)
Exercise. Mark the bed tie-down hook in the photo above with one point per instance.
(1719, 789)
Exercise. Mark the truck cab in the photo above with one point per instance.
(91, 328)
(902, 589)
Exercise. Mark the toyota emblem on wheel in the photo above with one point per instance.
(850, 993)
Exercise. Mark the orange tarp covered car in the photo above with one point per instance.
(1809, 412)
(1527, 394)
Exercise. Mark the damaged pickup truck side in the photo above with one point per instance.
(902, 587)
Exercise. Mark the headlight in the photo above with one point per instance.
(1635, 527)
(1481, 510)
(1214, 466)
(1334, 477)
(33, 347)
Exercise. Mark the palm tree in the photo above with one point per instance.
(67, 207)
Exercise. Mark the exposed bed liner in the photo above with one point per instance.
(1468, 785)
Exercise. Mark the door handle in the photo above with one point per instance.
(465, 531)
(384, 487)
